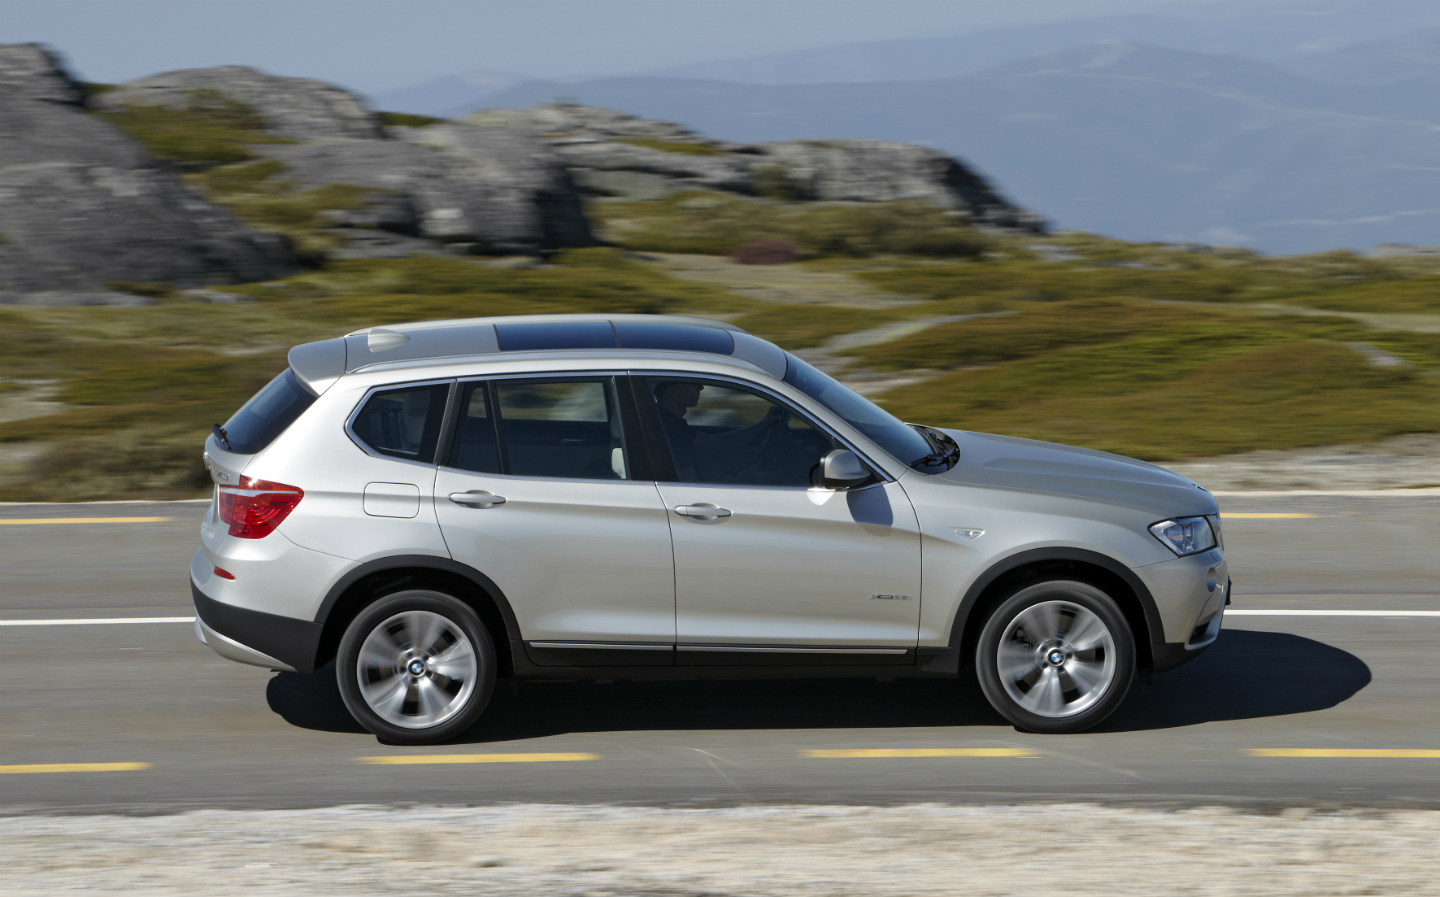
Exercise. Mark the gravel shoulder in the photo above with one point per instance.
(776, 850)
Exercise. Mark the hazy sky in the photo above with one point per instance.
(374, 45)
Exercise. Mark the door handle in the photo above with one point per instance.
(478, 498)
(702, 511)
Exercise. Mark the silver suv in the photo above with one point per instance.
(436, 505)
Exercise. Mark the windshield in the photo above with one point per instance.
(880, 426)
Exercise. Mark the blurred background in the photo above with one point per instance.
(1180, 230)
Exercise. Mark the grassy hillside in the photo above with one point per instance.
(1143, 349)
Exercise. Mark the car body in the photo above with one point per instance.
(544, 479)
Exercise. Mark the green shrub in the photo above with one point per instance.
(211, 129)
(716, 224)
(407, 120)
(673, 146)
(1279, 396)
(775, 182)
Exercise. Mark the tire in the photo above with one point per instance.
(1056, 657)
(445, 690)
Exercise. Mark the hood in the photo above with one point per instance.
(1004, 462)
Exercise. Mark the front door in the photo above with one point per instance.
(767, 563)
(537, 494)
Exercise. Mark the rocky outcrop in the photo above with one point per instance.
(82, 205)
(486, 190)
(611, 154)
(293, 108)
(882, 171)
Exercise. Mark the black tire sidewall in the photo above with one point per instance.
(452, 609)
(1075, 592)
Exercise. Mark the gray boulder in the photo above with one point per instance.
(571, 121)
(612, 154)
(881, 171)
(295, 108)
(82, 205)
(495, 190)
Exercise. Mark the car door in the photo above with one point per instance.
(767, 562)
(538, 493)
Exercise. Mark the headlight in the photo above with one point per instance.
(1188, 535)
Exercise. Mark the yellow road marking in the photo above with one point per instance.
(31, 521)
(846, 754)
(1267, 516)
(1352, 753)
(72, 767)
(427, 759)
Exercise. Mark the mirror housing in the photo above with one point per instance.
(841, 469)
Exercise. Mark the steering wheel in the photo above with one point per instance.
(776, 442)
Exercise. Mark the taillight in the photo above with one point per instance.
(255, 507)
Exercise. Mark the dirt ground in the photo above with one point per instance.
(537, 851)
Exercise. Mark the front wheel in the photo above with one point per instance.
(416, 667)
(1056, 657)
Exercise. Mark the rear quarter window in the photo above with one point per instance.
(403, 423)
(275, 407)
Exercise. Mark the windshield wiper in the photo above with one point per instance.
(947, 450)
(220, 436)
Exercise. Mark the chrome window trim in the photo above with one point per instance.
(821, 424)
(360, 406)
(789, 649)
(462, 382)
(606, 646)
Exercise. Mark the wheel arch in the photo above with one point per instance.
(372, 580)
(1035, 565)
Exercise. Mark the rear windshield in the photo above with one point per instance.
(267, 415)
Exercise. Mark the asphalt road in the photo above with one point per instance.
(191, 730)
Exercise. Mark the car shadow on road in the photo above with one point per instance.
(1245, 675)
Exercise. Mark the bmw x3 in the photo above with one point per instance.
(435, 506)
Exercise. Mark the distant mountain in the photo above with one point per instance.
(1130, 140)
(1274, 36)
(440, 96)
(1414, 56)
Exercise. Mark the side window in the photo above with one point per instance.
(476, 447)
(561, 428)
(734, 437)
(403, 423)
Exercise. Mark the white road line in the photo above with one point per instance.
(1332, 613)
(97, 621)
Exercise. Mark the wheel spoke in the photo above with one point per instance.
(1086, 676)
(388, 699)
(1045, 696)
(430, 628)
(1086, 631)
(455, 662)
(373, 657)
(431, 699)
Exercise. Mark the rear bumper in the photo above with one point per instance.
(255, 637)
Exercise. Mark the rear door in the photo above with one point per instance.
(540, 493)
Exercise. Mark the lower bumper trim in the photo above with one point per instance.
(230, 649)
(268, 640)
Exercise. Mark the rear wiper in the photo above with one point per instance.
(220, 436)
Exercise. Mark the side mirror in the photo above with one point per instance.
(841, 469)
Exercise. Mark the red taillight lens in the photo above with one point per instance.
(255, 507)
(224, 574)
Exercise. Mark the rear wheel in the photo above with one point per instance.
(416, 667)
(1056, 657)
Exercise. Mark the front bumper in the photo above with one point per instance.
(255, 637)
